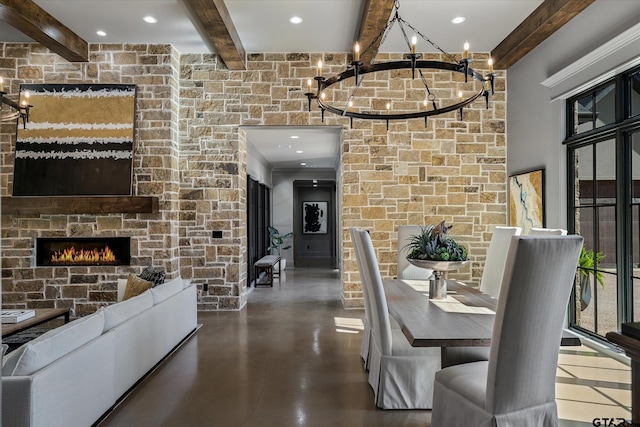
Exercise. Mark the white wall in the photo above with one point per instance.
(535, 123)
(257, 166)
(282, 199)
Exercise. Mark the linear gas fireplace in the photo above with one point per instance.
(83, 251)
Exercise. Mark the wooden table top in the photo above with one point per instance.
(465, 318)
(42, 315)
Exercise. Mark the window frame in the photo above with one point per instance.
(621, 131)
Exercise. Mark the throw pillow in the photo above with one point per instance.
(135, 286)
(153, 275)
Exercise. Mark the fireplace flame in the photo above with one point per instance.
(74, 255)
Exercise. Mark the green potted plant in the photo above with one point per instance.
(434, 244)
(277, 242)
(435, 250)
(587, 263)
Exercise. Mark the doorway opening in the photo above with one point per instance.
(315, 225)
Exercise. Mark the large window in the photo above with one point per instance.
(603, 147)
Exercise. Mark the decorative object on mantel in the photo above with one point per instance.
(428, 105)
(435, 250)
(11, 110)
(78, 141)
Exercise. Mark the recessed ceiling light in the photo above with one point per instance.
(315, 185)
(458, 20)
(299, 151)
(284, 146)
(295, 20)
(315, 181)
(294, 137)
(150, 19)
(101, 33)
(303, 164)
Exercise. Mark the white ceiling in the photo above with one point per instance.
(320, 145)
(263, 26)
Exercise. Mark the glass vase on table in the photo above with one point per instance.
(437, 282)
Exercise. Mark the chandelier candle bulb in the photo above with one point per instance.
(465, 54)
(414, 42)
(490, 62)
(1, 85)
(309, 85)
(356, 54)
(319, 68)
(388, 107)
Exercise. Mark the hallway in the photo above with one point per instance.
(291, 358)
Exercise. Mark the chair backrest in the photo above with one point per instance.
(497, 252)
(547, 231)
(381, 328)
(406, 270)
(538, 279)
(365, 292)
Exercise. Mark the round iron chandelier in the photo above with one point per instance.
(432, 105)
(11, 110)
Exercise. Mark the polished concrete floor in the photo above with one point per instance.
(291, 358)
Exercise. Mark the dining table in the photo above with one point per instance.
(463, 319)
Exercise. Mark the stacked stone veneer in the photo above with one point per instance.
(191, 153)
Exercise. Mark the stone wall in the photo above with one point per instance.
(153, 236)
(410, 174)
(193, 156)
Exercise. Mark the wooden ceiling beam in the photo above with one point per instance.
(214, 23)
(33, 21)
(549, 17)
(375, 17)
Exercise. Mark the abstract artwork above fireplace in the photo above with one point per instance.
(78, 141)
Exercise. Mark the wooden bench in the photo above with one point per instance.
(266, 264)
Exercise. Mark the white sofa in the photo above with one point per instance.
(73, 374)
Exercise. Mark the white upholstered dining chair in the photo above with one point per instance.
(516, 386)
(496, 259)
(366, 333)
(547, 232)
(492, 275)
(365, 347)
(405, 269)
(401, 375)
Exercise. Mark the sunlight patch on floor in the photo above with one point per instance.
(590, 385)
(348, 325)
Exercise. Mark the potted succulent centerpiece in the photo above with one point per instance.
(277, 242)
(434, 249)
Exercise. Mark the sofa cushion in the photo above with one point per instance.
(117, 313)
(153, 275)
(135, 286)
(53, 345)
(164, 291)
